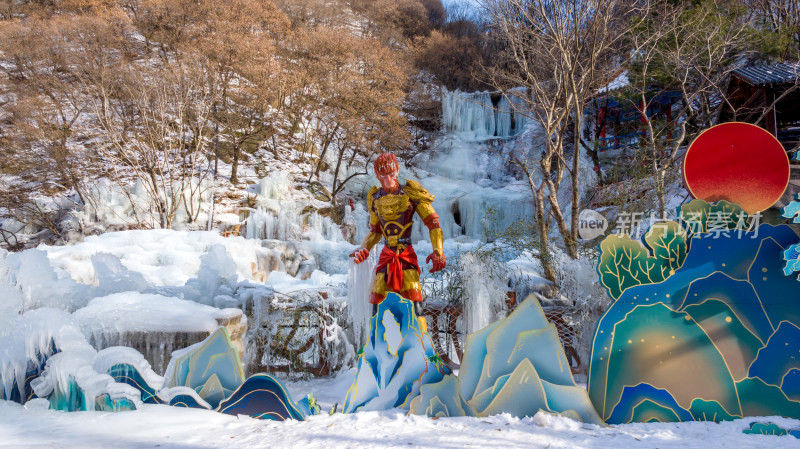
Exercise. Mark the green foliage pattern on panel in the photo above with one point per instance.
(625, 263)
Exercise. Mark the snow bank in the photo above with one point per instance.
(162, 256)
(140, 312)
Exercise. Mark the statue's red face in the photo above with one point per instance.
(388, 181)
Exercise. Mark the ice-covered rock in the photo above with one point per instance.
(111, 276)
(278, 215)
(163, 257)
(154, 324)
(42, 285)
(215, 276)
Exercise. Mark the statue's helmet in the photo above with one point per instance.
(386, 164)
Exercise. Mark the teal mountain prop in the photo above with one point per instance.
(207, 375)
(211, 367)
(758, 428)
(716, 339)
(517, 366)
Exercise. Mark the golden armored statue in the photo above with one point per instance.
(391, 212)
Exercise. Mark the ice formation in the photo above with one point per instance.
(359, 283)
(163, 257)
(278, 216)
(11, 303)
(133, 311)
(42, 286)
(476, 115)
(45, 354)
(476, 192)
(484, 294)
(109, 205)
(215, 278)
(515, 365)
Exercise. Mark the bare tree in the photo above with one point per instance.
(560, 53)
(237, 38)
(351, 98)
(687, 52)
(45, 106)
(157, 126)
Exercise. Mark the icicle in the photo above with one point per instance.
(359, 283)
(484, 294)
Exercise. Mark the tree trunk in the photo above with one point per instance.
(235, 164)
(572, 246)
(549, 271)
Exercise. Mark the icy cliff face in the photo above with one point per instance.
(474, 184)
(481, 115)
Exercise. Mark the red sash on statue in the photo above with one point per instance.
(394, 270)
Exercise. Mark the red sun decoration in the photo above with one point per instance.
(737, 162)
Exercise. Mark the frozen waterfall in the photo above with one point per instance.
(484, 115)
(476, 192)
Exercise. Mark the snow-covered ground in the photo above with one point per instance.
(172, 427)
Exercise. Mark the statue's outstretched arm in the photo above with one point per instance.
(431, 220)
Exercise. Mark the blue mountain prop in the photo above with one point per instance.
(261, 396)
(396, 361)
(517, 366)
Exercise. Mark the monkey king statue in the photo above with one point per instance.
(391, 212)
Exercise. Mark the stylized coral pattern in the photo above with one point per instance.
(626, 263)
(758, 428)
(792, 210)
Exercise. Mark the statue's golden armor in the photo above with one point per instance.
(390, 219)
